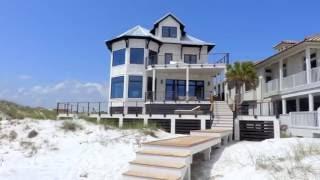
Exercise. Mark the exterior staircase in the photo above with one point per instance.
(168, 159)
(223, 116)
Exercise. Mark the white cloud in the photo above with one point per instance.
(49, 95)
(25, 77)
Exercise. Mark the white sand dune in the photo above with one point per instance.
(98, 154)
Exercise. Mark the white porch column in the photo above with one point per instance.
(297, 104)
(280, 73)
(311, 104)
(145, 90)
(187, 83)
(203, 124)
(172, 125)
(308, 65)
(153, 84)
(126, 81)
(284, 106)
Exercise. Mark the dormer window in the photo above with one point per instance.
(169, 32)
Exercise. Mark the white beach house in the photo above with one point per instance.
(288, 87)
(289, 80)
(164, 70)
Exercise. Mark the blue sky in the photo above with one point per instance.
(49, 47)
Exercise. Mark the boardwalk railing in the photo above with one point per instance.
(82, 108)
(304, 119)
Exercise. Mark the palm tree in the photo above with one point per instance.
(239, 74)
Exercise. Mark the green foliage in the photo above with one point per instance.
(133, 124)
(16, 111)
(69, 125)
(239, 74)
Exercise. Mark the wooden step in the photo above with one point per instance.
(163, 153)
(146, 175)
(184, 141)
(172, 165)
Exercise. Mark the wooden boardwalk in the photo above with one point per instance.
(172, 158)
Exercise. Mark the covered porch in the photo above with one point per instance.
(186, 83)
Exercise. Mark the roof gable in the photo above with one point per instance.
(156, 24)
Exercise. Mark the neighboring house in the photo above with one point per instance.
(161, 70)
(289, 80)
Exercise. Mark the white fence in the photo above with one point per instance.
(294, 80)
(304, 119)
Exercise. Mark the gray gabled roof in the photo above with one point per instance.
(137, 31)
(141, 32)
(156, 24)
(167, 15)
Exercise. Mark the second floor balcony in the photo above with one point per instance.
(293, 82)
(170, 61)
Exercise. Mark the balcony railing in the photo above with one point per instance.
(272, 86)
(294, 80)
(178, 60)
(164, 96)
(249, 95)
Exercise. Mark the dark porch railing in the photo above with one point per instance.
(212, 58)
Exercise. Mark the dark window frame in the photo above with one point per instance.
(284, 70)
(169, 31)
(176, 87)
(134, 55)
(119, 57)
(135, 80)
(313, 61)
(115, 83)
(167, 58)
(153, 57)
(190, 58)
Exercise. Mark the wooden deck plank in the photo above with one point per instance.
(175, 165)
(184, 141)
(147, 175)
(164, 153)
(215, 130)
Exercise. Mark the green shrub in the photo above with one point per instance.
(69, 125)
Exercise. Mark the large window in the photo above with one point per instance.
(135, 87)
(167, 58)
(118, 57)
(117, 87)
(196, 89)
(168, 31)
(190, 59)
(176, 89)
(136, 55)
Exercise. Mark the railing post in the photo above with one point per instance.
(88, 109)
(58, 108)
(110, 108)
(77, 108)
(318, 117)
(136, 108)
(67, 109)
(228, 54)
(123, 108)
(99, 108)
